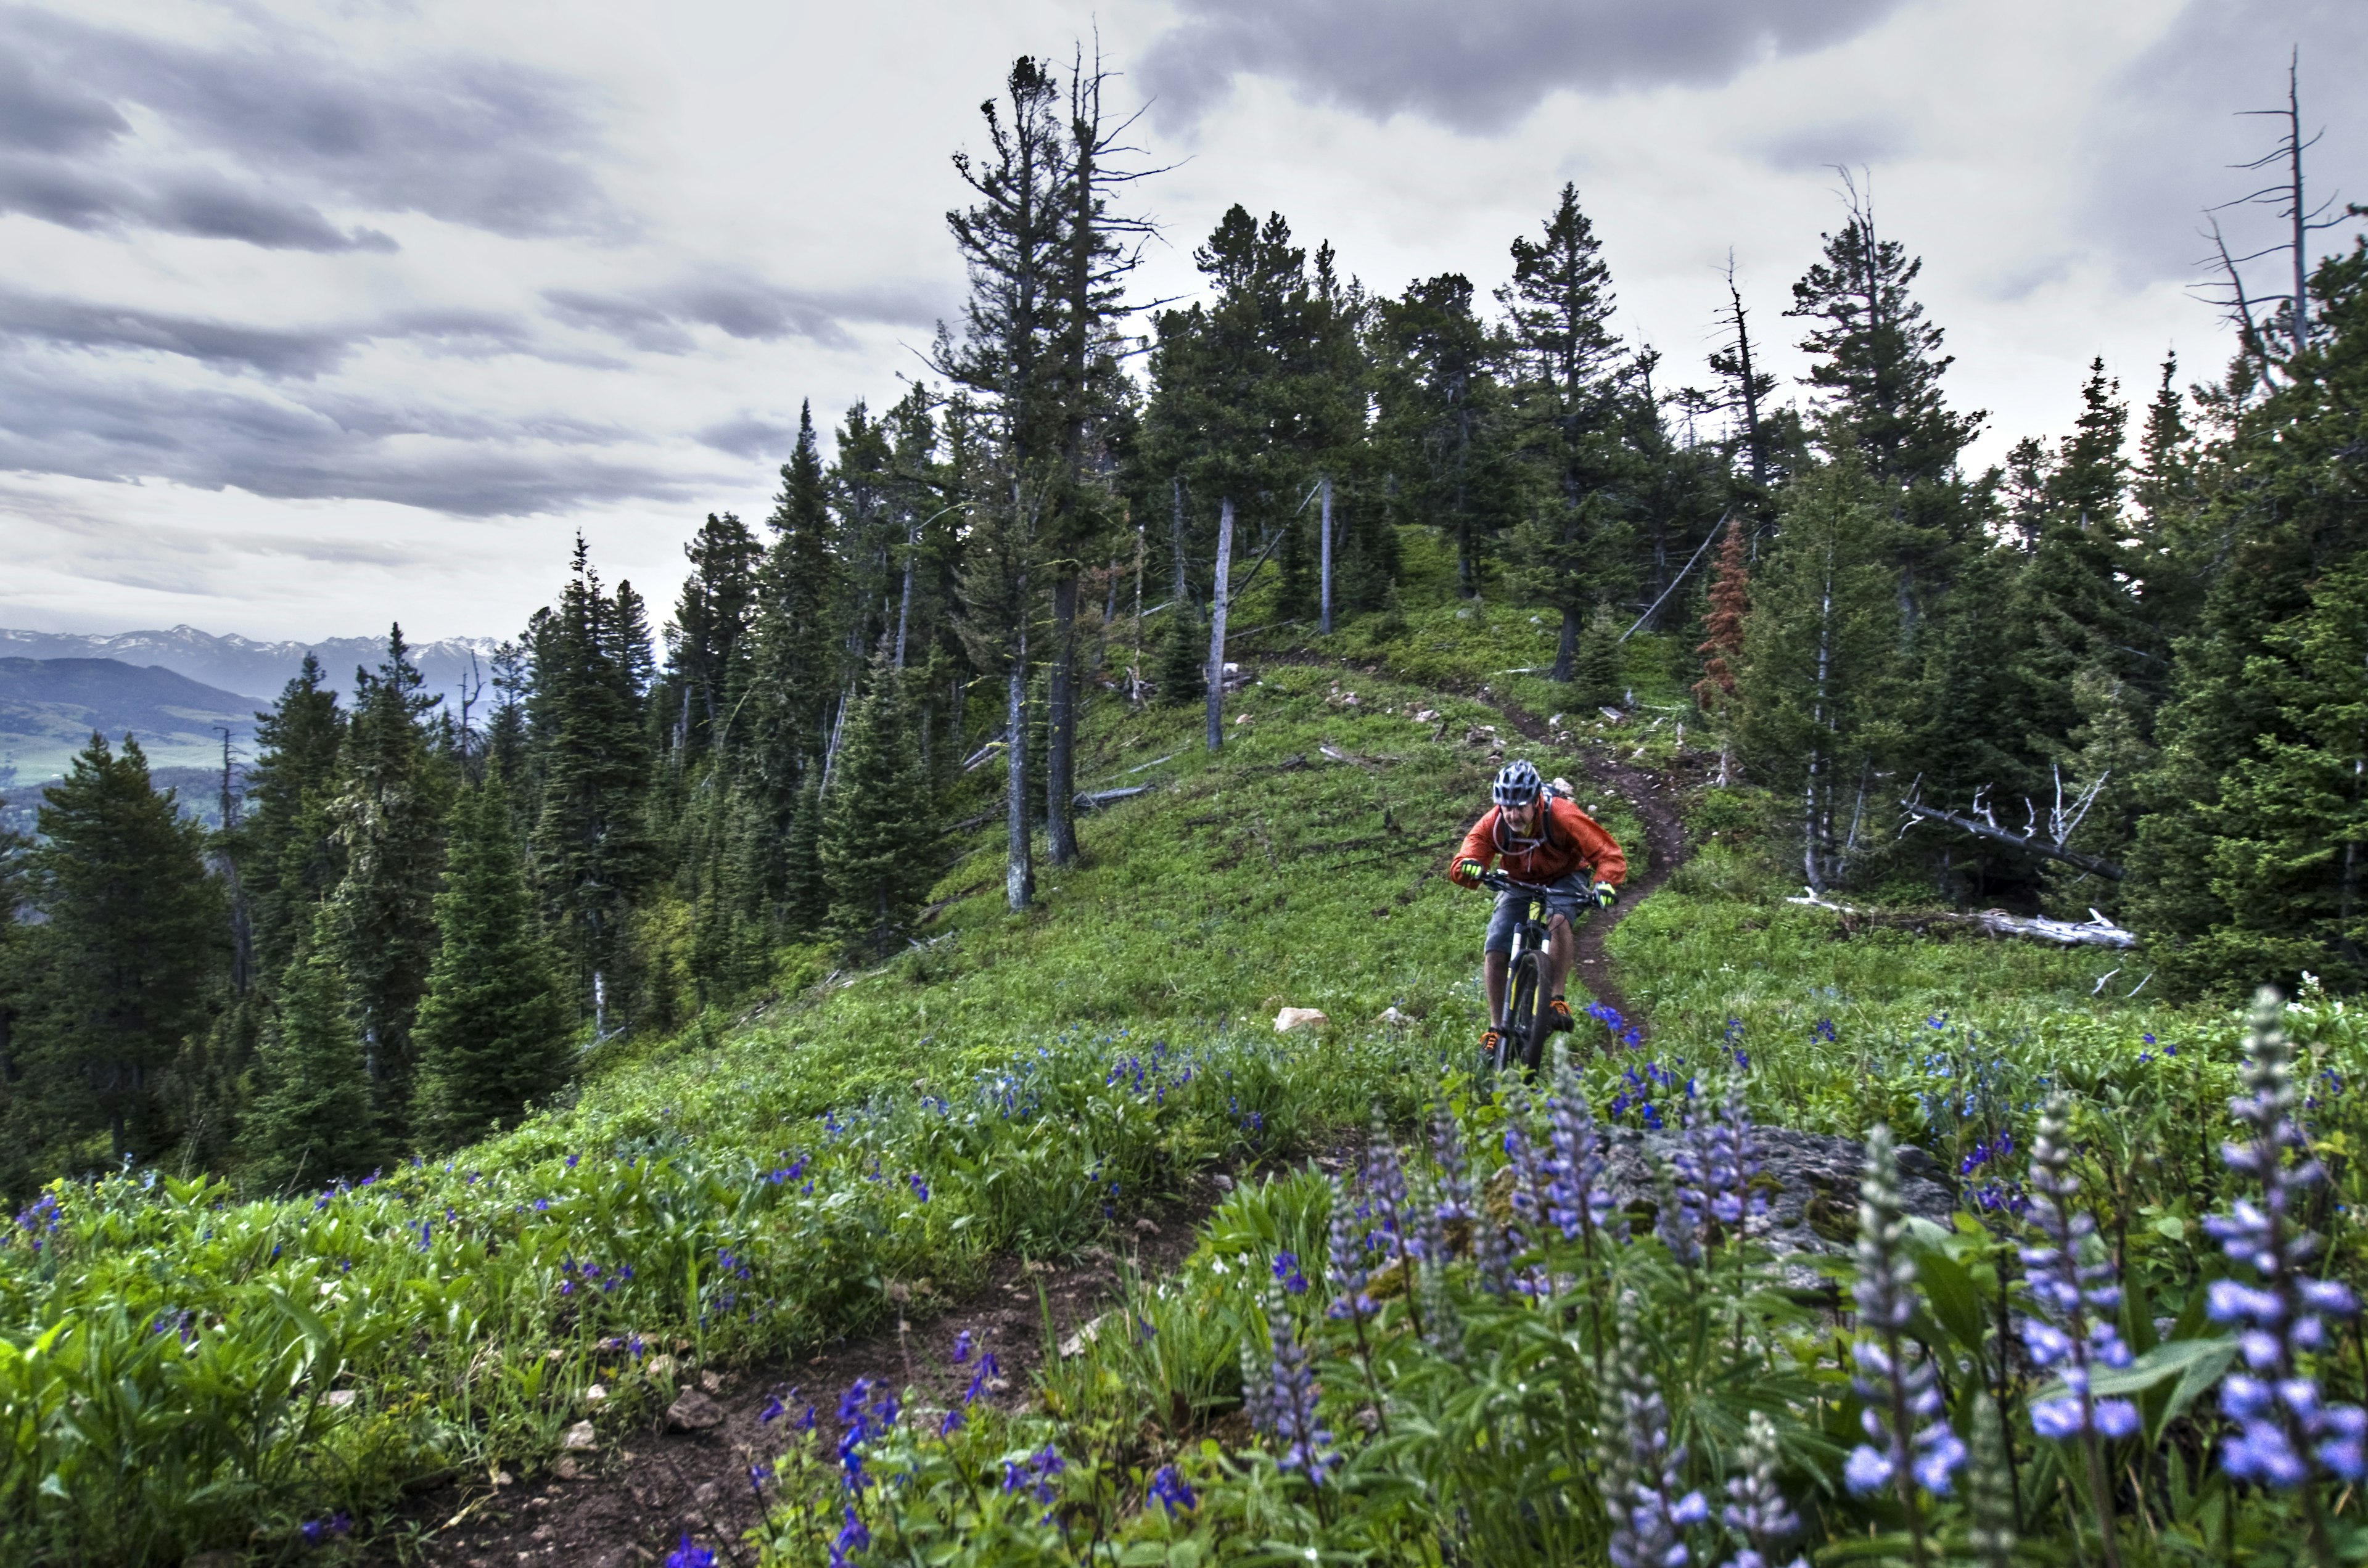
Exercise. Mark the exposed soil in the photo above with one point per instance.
(630, 1503)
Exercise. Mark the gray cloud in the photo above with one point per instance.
(198, 202)
(1850, 142)
(75, 324)
(480, 143)
(748, 437)
(1479, 65)
(54, 421)
(656, 320)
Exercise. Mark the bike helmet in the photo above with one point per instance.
(1516, 784)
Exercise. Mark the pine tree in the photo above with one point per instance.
(1566, 390)
(2290, 830)
(2075, 602)
(592, 849)
(1183, 676)
(289, 839)
(1820, 689)
(494, 1031)
(130, 944)
(708, 643)
(879, 831)
(1443, 421)
(805, 892)
(389, 817)
(1965, 731)
(1599, 675)
(2287, 499)
(797, 662)
(312, 1121)
(1879, 366)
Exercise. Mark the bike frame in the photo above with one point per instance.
(1521, 1042)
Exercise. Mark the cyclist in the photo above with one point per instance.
(1542, 838)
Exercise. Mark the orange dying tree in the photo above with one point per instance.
(1730, 600)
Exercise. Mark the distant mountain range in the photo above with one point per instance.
(49, 707)
(257, 670)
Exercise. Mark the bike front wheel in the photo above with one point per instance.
(1525, 1020)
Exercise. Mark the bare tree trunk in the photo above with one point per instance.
(1019, 870)
(1819, 806)
(1060, 724)
(1325, 523)
(1217, 624)
(904, 604)
(1566, 651)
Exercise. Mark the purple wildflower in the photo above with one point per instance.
(1171, 1491)
(2076, 1294)
(1576, 1201)
(988, 1371)
(2283, 1427)
(689, 1554)
(852, 1537)
(1291, 1403)
(1902, 1391)
(1757, 1511)
(1287, 1274)
(961, 1349)
(1641, 1471)
(1349, 1247)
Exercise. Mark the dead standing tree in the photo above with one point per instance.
(2064, 819)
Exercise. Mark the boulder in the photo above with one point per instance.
(1291, 1019)
(694, 1412)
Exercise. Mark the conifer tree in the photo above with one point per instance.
(2288, 502)
(2290, 830)
(494, 1032)
(1599, 677)
(878, 831)
(592, 851)
(389, 816)
(131, 940)
(288, 839)
(312, 1121)
(1442, 421)
(1878, 366)
(1818, 690)
(708, 643)
(797, 654)
(1183, 667)
(805, 893)
(1565, 391)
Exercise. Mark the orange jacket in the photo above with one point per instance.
(1574, 841)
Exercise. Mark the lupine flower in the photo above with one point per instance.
(1756, 1510)
(1258, 1391)
(1287, 1274)
(1576, 1201)
(1729, 1155)
(1903, 1396)
(1291, 1405)
(689, 1554)
(773, 1410)
(2283, 1427)
(1349, 1249)
(921, 1187)
(961, 1349)
(758, 1475)
(1170, 1490)
(316, 1531)
(1641, 1471)
(852, 1537)
(1678, 1211)
(2072, 1286)
(952, 1422)
(1454, 1171)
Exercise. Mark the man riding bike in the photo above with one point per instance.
(1546, 840)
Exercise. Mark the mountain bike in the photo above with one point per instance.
(1521, 1042)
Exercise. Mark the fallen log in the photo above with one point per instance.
(2095, 932)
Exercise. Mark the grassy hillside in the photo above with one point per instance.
(49, 707)
(183, 1369)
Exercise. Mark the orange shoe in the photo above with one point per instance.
(1490, 1039)
(1558, 1017)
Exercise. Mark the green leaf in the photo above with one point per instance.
(2186, 1359)
(1956, 1305)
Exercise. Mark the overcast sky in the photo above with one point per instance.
(319, 315)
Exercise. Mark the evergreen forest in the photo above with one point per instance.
(747, 973)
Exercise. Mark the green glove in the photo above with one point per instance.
(1470, 870)
(1606, 895)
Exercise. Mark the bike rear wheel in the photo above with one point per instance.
(1525, 1023)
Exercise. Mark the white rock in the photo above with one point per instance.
(1291, 1019)
(580, 1439)
(1392, 1017)
(339, 1398)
